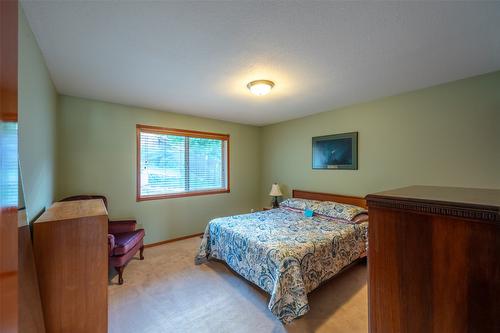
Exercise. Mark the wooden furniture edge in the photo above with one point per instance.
(79, 232)
(487, 214)
(46, 216)
(30, 303)
(172, 240)
(9, 264)
(346, 199)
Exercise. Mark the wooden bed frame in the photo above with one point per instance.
(350, 200)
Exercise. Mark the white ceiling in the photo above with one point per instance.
(197, 57)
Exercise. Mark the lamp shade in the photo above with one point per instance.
(275, 191)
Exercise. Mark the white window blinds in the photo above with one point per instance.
(178, 162)
(8, 158)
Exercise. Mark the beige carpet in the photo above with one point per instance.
(168, 293)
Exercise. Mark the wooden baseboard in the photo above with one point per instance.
(173, 240)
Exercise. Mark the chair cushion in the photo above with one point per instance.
(125, 241)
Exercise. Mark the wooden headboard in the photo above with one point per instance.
(356, 201)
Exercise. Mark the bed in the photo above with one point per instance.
(285, 253)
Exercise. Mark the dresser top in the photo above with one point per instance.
(67, 210)
(450, 195)
(464, 203)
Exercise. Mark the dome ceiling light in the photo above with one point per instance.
(260, 87)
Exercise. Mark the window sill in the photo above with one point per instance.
(179, 195)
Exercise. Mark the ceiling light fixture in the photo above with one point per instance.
(260, 87)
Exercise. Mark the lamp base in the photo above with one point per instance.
(275, 202)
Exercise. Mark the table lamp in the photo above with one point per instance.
(275, 193)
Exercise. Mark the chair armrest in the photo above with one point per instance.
(111, 244)
(116, 227)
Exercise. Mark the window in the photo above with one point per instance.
(9, 180)
(177, 163)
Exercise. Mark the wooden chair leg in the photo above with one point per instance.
(141, 253)
(120, 274)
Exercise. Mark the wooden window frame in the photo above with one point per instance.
(185, 133)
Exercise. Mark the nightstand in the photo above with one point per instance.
(267, 208)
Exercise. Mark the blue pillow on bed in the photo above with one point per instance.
(308, 213)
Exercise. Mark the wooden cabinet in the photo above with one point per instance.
(434, 260)
(8, 166)
(30, 305)
(71, 254)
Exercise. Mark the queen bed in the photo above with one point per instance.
(286, 253)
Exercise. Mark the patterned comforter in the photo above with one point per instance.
(283, 252)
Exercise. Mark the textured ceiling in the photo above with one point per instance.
(197, 57)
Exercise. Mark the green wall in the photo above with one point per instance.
(445, 135)
(37, 123)
(97, 154)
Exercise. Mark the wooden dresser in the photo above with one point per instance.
(71, 254)
(434, 260)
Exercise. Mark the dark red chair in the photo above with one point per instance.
(123, 239)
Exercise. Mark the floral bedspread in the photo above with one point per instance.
(283, 252)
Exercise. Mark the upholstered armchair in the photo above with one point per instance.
(123, 239)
